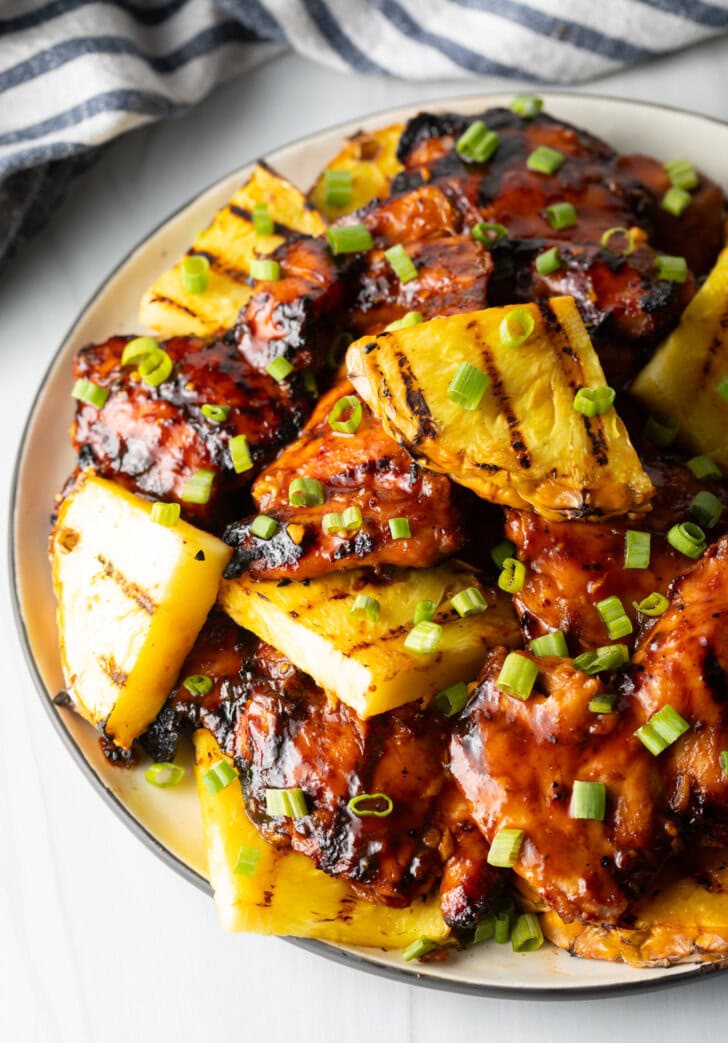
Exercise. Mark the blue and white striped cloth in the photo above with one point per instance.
(76, 73)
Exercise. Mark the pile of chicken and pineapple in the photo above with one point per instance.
(413, 511)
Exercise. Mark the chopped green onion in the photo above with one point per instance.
(424, 612)
(614, 617)
(217, 414)
(350, 407)
(526, 935)
(309, 381)
(607, 241)
(349, 239)
(195, 273)
(506, 848)
(164, 774)
(502, 932)
(675, 200)
(240, 454)
(247, 861)
(549, 261)
(671, 269)
(401, 262)
(661, 430)
(561, 215)
(468, 386)
(352, 519)
(198, 487)
(553, 643)
(400, 528)
(706, 508)
(485, 929)
(279, 368)
(722, 389)
(424, 637)
(90, 393)
(469, 602)
(518, 676)
(412, 318)
(305, 492)
(198, 684)
(604, 702)
(451, 700)
(681, 174)
(477, 144)
(594, 401)
(262, 221)
(516, 327)
(724, 762)
(653, 605)
(139, 348)
(662, 729)
(364, 605)
(219, 777)
(285, 803)
(371, 805)
(152, 361)
(588, 800)
(332, 522)
(513, 576)
(419, 948)
(488, 232)
(265, 270)
(501, 551)
(637, 549)
(527, 105)
(264, 527)
(608, 657)
(545, 160)
(688, 539)
(704, 467)
(166, 514)
(338, 187)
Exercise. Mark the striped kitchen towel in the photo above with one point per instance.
(76, 73)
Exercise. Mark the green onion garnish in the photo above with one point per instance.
(265, 270)
(545, 160)
(518, 676)
(661, 430)
(603, 703)
(671, 269)
(279, 368)
(681, 174)
(662, 729)
(675, 200)
(594, 401)
(424, 611)
(424, 637)
(371, 805)
(139, 348)
(468, 386)
(198, 487)
(309, 381)
(285, 803)
(195, 273)
(703, 467)
(305, 492)
(262, 221)
(417, 949)
(247, 861)
(724, 762)
(722, 389)
(198, 684)
(588, 800)
(412, 318)
(608, 657)
(338, 187)
(516, 327)
(613, 236)
(506, 847)
(332, 522)
(90, 393)
(351, 519)
(653, 605)
(364, 605)
(502, 931)
(349, 407)
(164, 774)
(637, 549)
(240, 454)
(217, 414)
(469, 602)
(488, 232)
(401, 262)
(513, 576)
(451, 700)
(688, 539)
(501, 551)
(553, 643)
(526, 935)
(264, 527)
(706, 509)
(400, 528)
(614, 617)
(561, 215)
(527, 105)
(219, 777)
(349, 239)
(549, 261)
(477, 144)
(152, 361)
(166, 514)
(485, 929)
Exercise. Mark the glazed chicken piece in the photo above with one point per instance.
(153, 439)
(367, 470)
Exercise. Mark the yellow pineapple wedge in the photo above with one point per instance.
(524, 444)
(132, 598)
(229, 243)
(371, 159)
(681, 380)
(365, 663)
(281, 891)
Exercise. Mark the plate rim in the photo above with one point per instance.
(336, 954)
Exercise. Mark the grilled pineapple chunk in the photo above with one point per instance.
(682, 377)
(286, 893)
(229, 243)
(371, 158)
(365, 663)
(525, 445)
(132, 597)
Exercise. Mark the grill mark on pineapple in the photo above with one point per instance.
(220, 266)
(497, 388)
(113, 671)
(132, 590)
(416, 401)
(169, 302)
(285, 231)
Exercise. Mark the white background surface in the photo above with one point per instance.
(98, 939)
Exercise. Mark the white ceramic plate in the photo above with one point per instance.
(45, 460)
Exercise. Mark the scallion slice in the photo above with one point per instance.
(688, 539)
(198, 684)
(661, 430)
(604, 702)
(364, 605)
(703, 467)
(485, 929)
(349, 239)
(637, 547)
(198, 488)
(424, 611)
(614, 617)
(217, 414)
(264, 270)
(166, 514)
(164, 774)
(346, 415)
(262, 221)
(518, 676)
(653, 605)
(309, 381)
(549, 261)
(506, 848)
(488, 232)
(662, 729)
(681, 174)
(305, 492)
(152, 361)
(424, 637)
(332, 522)
(139, 348)
(501, 551)
(469, 602)
(264, 527)
(594, 401)
(588, 800)
(285, 803)
(516, 327)
(279, 368)
(561, 215)
(338, 187)
(545, 160)
(412, 318)
(502, 932)
(527, 105)
(416, 950)
(195, 273)
(240, 454)
(706, 509)
(513, 576)
(671, 269)
(92, 394)
(614, 236)
(467, 387)
(371, 805)
(246, 863)
(722, 389)
(400, 528)
(607, 657)
(451, 700)
(723, 759)
(477, 144)
(526, 935)
(219, 777)
(553, 643)
(675, 201)
(401, 262)
(352, 519)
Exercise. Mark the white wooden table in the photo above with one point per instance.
(99, 941)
